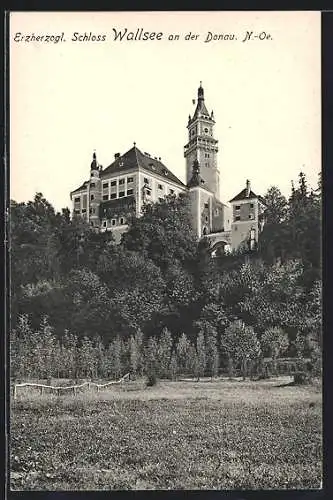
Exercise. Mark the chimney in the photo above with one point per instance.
(248, 188)
(117, 155)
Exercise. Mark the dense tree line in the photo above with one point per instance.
(224, 311)
(40, 354)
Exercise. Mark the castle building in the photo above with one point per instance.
(115, 193)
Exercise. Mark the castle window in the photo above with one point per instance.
(105, 197)
(160, 200)
(113, 195)
(206, 218)
(113, 183)
(160, 186)
(104, 223)
(76, 211)
(121, 181)
(92, 197)
(129, 191)
(105, 185)
(148, 192)
(77, 200)
(251, 205)
(121, 194)
(216, 211)
(84, 210)
(237, 217)
(251, 216)
(237, 207)
(206, 205)
(129, 179)
(113, 222)
(171, 191)
(122, 220)
(92, 184)
(145, 180)
(92, 174)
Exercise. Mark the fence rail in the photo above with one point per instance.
(71, 387)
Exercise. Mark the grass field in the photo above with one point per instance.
(176, 435)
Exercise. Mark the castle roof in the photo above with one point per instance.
(84, 186)
(244, 196)
(247, 194)
(135, 159)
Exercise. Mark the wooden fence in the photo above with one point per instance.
(71, 388)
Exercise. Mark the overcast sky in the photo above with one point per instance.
(69, 98)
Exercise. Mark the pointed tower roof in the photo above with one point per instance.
(94, 164)
(196, 179)
(201, 107)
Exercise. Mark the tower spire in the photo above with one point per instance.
(94, 161)
(201, 93)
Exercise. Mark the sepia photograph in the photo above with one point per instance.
(165, 251)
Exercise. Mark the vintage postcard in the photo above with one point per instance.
(165, 272)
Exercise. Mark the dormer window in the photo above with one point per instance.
(237, 207)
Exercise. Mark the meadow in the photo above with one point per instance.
(221, 434)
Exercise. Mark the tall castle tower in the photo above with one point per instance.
(94, 192)
(202, 146)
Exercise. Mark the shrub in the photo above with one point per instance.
(151, 379)
(302, 378)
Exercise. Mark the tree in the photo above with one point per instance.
(241, 345)
(305, 222)
(87, 360)
(134, 355)
(164, 352)
(114, 355)
(151, 358)
(274, 342)
(69, 350)
(173, 366)
(275, 206)
(136, 290)
(46, 352)
(183, 354)
(201, 350)
(164, 233)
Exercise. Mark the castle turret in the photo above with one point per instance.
(247, 209)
